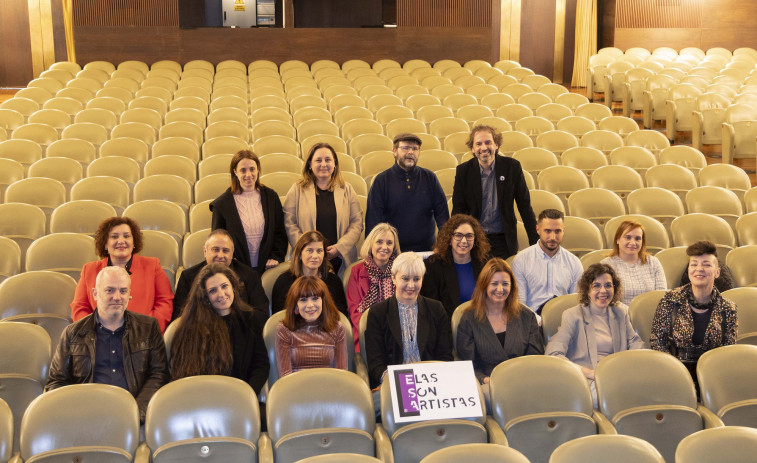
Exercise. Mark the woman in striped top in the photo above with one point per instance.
(310, 336)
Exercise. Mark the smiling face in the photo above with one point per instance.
(601, 291)
(247, 174)
(484, 148)
(703, 270)
(407, 287)
(498, 288)
(219, 249)
(322, 164)
(309, 308)
(220, 293)
(382, 249)
(462, 242)
(312, 258)
(120, 244)
(629, 243)
(406, 153)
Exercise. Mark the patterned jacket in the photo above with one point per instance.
(720, 331)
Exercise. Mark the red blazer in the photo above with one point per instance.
(151, 292)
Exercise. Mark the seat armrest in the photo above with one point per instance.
(728, 143)
(711, 420)
(670, 120)
(384, 450)
(696, 132)
(16, 459)
(646, 109)
(143, 453)
(265, 448)
(496, 434)
(361, 369)
(604, 425)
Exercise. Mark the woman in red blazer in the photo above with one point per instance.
(117, 241)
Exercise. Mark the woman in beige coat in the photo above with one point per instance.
(323, 201)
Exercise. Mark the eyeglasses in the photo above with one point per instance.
(598, 286)
(459, 237)
(409, 149)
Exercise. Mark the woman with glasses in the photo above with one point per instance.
(460, 253)
(598, 326)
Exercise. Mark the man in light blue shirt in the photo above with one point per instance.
(546, 269)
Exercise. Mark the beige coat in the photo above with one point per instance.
(300, 216)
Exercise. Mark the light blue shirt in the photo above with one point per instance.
(540, 277)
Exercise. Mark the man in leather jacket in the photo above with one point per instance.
(111, 345)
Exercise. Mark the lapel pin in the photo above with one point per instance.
(501, 178)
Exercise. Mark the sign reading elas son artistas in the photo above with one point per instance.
(434, 390)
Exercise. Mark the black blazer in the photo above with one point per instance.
(252, 292)
(250, 362)
(274, 242)
(383, 335)
(440, 281)
(511, 186)
(476, 341)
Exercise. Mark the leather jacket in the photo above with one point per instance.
(144, 357)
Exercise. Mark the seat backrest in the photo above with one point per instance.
(218, 413)
(21, 295)
(484, 453)
(156, 214)
(84, 420)
(61, 252)
(563, 411)
(6, 431)
(727, 386)
(741, 262)
(334, 417)
(80, 216)
(655, 201)
(551, 314)
(592, 203)
(642, 309)
(584, 236)
(729, 443)
(690, 228)
(602, 448)
(713, 200)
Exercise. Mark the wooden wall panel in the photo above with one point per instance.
(537, 36)
(15, 52)
(118, 44)
(656, 14)
(444, 13)
(145, 13)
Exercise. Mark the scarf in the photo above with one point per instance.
(381, 285)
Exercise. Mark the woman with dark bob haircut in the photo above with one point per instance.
(310, 336)
(598, 326)
(460, 252)
(321, 200)
(251, 212)
(117, 242)
(217, 333)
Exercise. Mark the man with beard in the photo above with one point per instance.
(486, 186)
(407, 197)
(546, 269)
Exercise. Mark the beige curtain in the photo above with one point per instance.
(68, 24)
(586, 40)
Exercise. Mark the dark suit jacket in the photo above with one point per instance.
(252, 292)
(274, 242)
(440, 282)
(511, 186)
(383, 335)
(476, 341)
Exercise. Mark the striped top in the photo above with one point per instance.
(637, 278)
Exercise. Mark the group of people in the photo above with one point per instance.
(219, 308)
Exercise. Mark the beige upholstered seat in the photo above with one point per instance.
(606, 447)
(81, 422)
(80, 216)
(484, 453)
(161, 215)
(551, 314)
(690, 228)
(650, 395)
(562, 413)
(729, 443)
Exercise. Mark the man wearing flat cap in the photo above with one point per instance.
(408, 197)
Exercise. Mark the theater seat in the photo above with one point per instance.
(727, 385)
(213, 418)
(337, 416)
(484, 453)
(730, 443)
(606, 447)
(81, 422)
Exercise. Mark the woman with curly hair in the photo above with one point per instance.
(310, 336)
(460, 253)
(118, 241)
(598, 326)
(218, 333)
